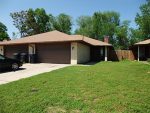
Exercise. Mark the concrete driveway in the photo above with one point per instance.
(28, 70)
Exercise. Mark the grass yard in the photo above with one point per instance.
(107, 87)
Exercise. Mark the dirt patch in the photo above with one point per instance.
(75, 111)
(61, 110)
(56, 110)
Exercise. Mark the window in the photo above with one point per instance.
(101, 51)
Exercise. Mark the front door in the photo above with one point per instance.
(1, 50)
(31, 50)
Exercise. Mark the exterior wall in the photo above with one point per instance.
(74, 47)
(144, 52)
(147, 51)
(9, 50)
(83, 53)
(80, 53)
(1, 50)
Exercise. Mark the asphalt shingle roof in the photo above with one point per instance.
(145, 42)
(54, 36)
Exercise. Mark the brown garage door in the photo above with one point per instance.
(54, 53)
(9, 50)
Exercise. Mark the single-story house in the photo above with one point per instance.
(58, 47)
(142, 50)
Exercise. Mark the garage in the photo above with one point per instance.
(11, 49)
(59, 53)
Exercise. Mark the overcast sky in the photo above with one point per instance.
(75, 8)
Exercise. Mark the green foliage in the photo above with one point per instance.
(99, 25)
(32, 22)
(114, 87)
(63, 23)
(105, 24)
(19, 21)
(122, 41)
(3, 32)
(85, 24)
(37, 21)
(143, 19)
(136, 35)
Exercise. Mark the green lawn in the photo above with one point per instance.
(107, 87)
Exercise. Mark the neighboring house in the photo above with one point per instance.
(142, 50)
(58, 47)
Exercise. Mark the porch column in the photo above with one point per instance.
(138, 53)
(106, 53)
(74, 47)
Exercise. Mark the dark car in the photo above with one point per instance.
(8, 63)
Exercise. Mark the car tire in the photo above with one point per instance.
(15, 66)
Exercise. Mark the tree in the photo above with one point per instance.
(105, 24)
(85, 26)
(99, 25)
(3, 32)
(38, 21)
(63, 23)
(32, 22)
(143, 19)
(19, 21)
(135, 35)
(15, 35)
(122, 36)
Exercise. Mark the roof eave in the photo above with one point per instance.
(137, 44)
(4, 44)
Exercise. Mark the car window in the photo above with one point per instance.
(2, 58)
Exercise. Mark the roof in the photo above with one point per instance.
(54, 36)
(145, 42)
(91, 41)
